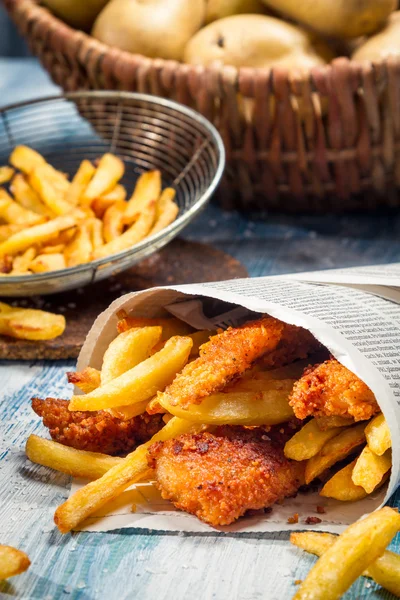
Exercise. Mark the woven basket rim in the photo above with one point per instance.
(230, 71)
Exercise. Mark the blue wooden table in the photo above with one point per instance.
(138, 563)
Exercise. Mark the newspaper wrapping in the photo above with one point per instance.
(354, 312)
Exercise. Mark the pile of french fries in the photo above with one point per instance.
(324, 442)
(360, 550)
(49, 223)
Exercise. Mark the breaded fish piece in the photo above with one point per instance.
(225, 356)
(330, 389)
(219, 476)
(95, 431)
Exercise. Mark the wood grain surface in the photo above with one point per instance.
(179, 262)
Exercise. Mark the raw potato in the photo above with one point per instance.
(384, 43)
(219, 9)
(12, 562)
(255, 41)
(77, 13)
(337, 18)
(155, 28)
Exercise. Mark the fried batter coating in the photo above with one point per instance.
(225, 356)
(331, 389)
(219, 476)
(296, 343)
(95, 431)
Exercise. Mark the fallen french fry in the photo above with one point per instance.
(112, 221)
(79, 250)
(80, 182)
(166, 211)
(141, 382)
(378, 436)
(77, 463)
(42, 181)
(26, 159)
(235, 408)
(352, 553)
(307, 442)
(170, 326)
(336, 449)
(341, 486)
(44, 263)
(12, 562)
(132, 236)
(37, 234)
(109, 171)
(133, 468)
(127, 350)
(87, 380)
(385, 571)
(147, 189)
(6, 174)
(26, 196)
(370, 469)
(30, 324)
(13, 213)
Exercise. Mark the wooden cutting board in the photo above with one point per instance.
(179, 262)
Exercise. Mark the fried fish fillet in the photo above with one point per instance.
(225, 356)
(95, 431)
(219, 476)
(330, 389)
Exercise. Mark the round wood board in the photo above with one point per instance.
(179, 262)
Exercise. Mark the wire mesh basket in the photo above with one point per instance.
(146, 132)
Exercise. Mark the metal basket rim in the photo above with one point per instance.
(168, 231)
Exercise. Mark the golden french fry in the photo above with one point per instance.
(49, 189)
(78, 463)
(341, 486)
(13, 213)
(6, 174)
(80, 182)
(79, 250)
(235, 408)
(48, 262)
(147, 189)
(26, 159)
(127, 350)
(170, 326)
(166, 211)
(370, 469)
(53, 249)
(141, 382)
(96, 233)
(128, 412)
(199, 338)
(112, 221)
(87, 380)
(26, 196)
(334, 450)
(378, 436)
(100, 205)
(307, 442)
(22, 240)
(133, 468)
(385, 570)
(12, 562)
(30, 324)
(354, 551)
(109, 171)
(6, 231)
(132, 236)
(22, 263)
(325, 423)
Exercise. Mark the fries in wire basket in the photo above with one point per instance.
(48, 222)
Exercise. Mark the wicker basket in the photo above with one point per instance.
(340, 151)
